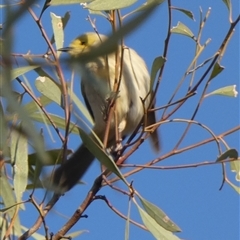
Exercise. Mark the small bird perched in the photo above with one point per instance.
(129, 108)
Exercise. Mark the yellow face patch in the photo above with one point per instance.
(84, 43)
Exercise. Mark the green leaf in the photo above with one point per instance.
(156, 66)
(40, 71)
(236, 188)
(81, 106)
(16, 72)
(4, 226)
(8, 199)
(68, 2)
(128, 220)
(1, 42)
(19, 159)
(216, 70)
(54, 156)
(39, 162)
(57, 26)
(3, 131)
(33, 177)
(100, 13)
(64, 20)
(228, 91)
(111, 43)
(157, 231)
(235, 167)
(159, 216)
(185, 11)
(230, 153)
(50, 89)
(104, 5)
(147, 4)
(76, 234)
(183, 30)
(59, 121)
(17, 97)
(32, 107)
(6, 192)
(228, 4)
(104, 157)
(28, 127)
(8, 5)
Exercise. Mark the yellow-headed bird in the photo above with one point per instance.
(129, 108)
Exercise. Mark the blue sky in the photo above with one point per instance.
(190, 196)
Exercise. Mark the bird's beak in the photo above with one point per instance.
(65, 49)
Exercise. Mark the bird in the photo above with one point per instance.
(132, 99)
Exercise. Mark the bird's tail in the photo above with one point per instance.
(69, 173)
(154, 137)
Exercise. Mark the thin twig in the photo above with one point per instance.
(119, 213)
(193, 165)
(178, 151)
(39, 221)
(78, 213)
(41, 107)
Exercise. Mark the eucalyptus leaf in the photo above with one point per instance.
(228, 4)
(55, 155)
(59, 121)
(228, 91)
(81, 107)
(235, 167)
(159, 216)
(19, 159)
(216, 70)
(157, 231)
(111, 43)
(32, 107)
(185, 11)
(156, 66)
(16, 72)
(50, 89)
(57, 25)
(127, 227)
(101, 155)
(104, 5)
(183, 30)
(76, 234)
(8, 199)
(28, 127)
(236, 188)
(147, 4)
(3, 224)
(230, 153)
(3, 130)
(64, 20)
(32, 177)
(68, 2)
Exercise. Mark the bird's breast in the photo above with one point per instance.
(99, 91)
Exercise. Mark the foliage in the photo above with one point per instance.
(25, 110)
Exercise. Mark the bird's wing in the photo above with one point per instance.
(86, 101)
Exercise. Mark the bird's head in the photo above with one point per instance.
(84, 43)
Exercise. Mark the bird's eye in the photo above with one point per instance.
(82, 43)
